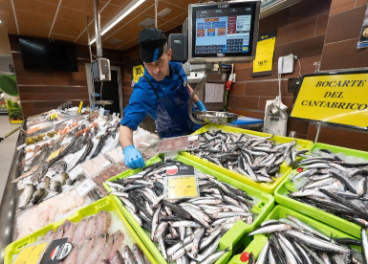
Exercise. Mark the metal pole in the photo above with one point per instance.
(156, 3)
(97, 29)
(319, 125)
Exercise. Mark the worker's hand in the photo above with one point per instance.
(133, 158)
(201, 106)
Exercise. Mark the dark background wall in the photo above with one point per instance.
(41, 91)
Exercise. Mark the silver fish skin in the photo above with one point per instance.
(316, 243)
(364, 237)
(290, 247)
(271, 259)
(304, 254)
(305, 173)
(270, 229)
(155, 222)
(162, 247)
(262, 258)
(326, 258)
(196, 240)
(289, 256)
(308, 228)
(212, 258)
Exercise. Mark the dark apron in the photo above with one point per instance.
(172, 111)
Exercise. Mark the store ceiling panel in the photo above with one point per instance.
(66, 19)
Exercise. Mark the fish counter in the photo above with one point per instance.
(68, 181)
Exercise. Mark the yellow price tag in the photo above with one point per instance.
(32, 254)
(181, 186)
(264, 55)
(339, 98)
(138, 72)
(54, 154)
(54, 116)
(80, 106)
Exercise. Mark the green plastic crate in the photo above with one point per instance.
(327, 218)
(256, 243)
(231, 238)
(266, 187)
(106, 204)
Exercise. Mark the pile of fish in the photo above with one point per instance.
(291, 241)
(185, 229)
(71, 141)
(257, 158)
(333, 184)
(92, 243)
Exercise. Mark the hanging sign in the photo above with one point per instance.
(138, 72)
(335, 98)
(264, 53)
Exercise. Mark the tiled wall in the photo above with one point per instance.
(41, 91)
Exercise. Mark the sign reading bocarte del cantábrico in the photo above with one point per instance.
(339, 98)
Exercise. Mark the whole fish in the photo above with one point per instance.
(128, 256)
(26, 196)
(68, 230)
(138, 255)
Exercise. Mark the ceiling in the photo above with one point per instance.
(66, 20)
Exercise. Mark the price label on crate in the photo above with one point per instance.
(85, 187)
(177, 187)
(75, 173)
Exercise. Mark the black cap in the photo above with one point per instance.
(151, 42)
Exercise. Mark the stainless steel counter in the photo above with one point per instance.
(9, 201)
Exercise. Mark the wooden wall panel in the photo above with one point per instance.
(41, 91)
(345, 21)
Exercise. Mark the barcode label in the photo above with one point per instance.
(85, 187)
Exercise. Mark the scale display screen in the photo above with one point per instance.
(223, 30)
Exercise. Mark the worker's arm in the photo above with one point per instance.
(126, 136)
(196, 100)
(134, 114)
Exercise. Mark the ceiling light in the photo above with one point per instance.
(123, 13)
(164, 12)
(1, 21)
(147, 22)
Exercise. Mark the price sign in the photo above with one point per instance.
(32, 254)
(138, 72)
(334, 98)
(181, 187)
(264, 53)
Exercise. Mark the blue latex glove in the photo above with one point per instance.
(133, 158)
(201, 106)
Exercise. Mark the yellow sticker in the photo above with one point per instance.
(32, 254)
(54, 116)
(181, 186)
(138, 72)
(340, 98)
(80, 106)
(264, 55)
(54, 154)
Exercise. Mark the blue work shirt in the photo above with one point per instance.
(143, 100)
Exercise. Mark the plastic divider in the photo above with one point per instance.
(266, 187)
(231, 238)
(319, 214)
(106, 204)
